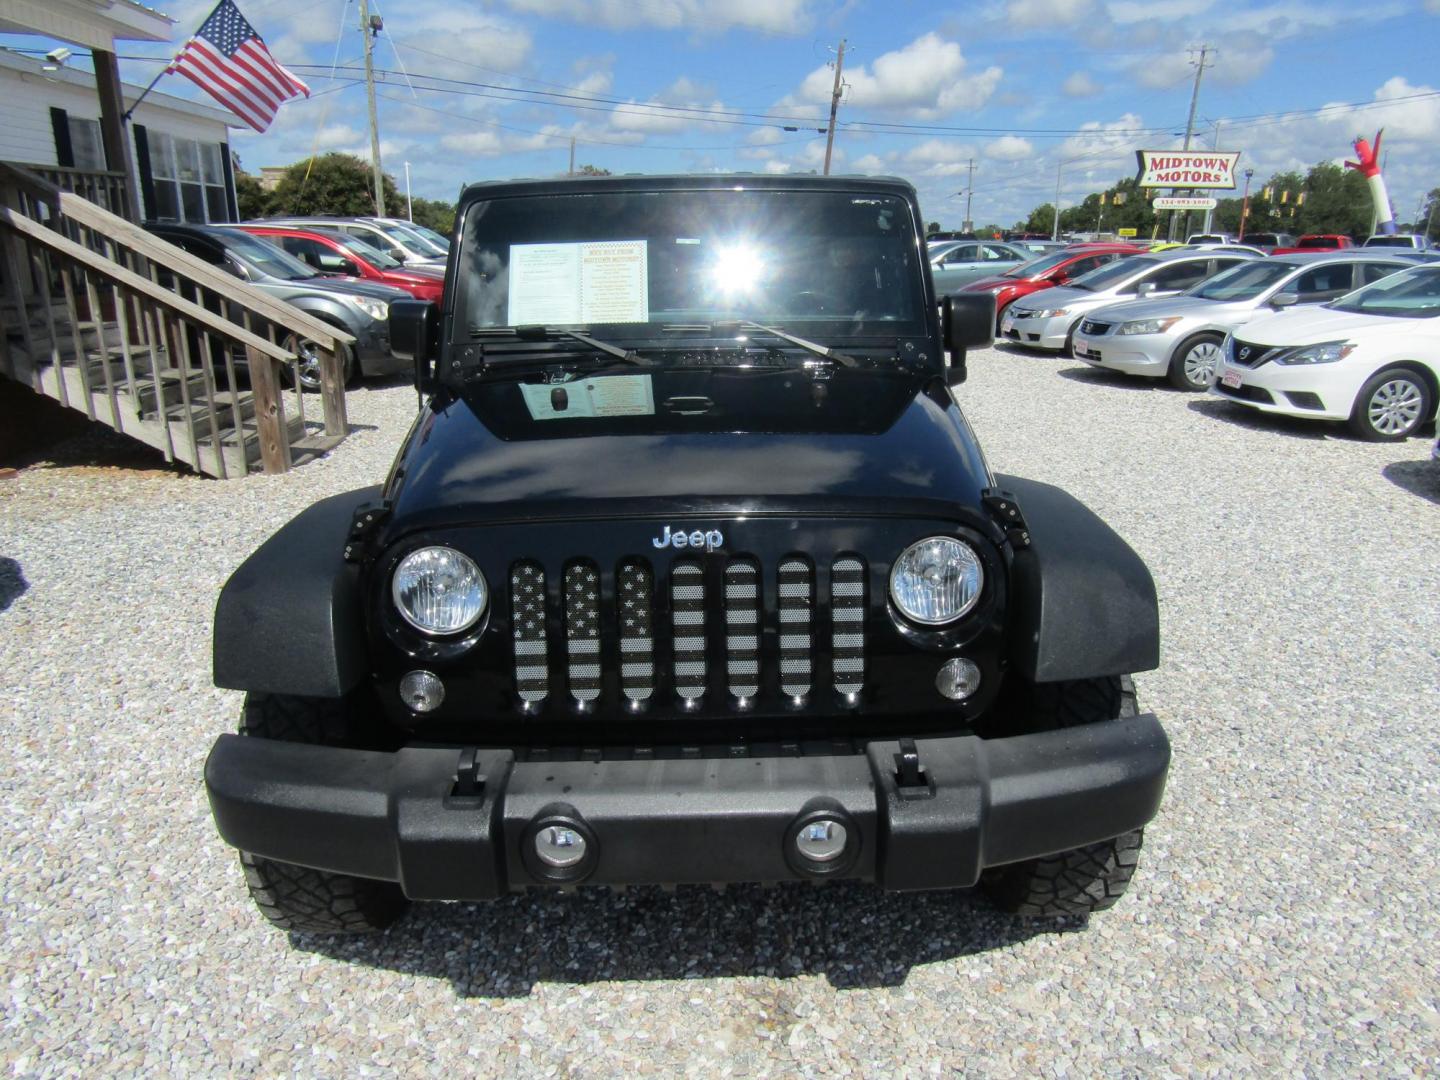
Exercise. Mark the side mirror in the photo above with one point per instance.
(1144, 289)
(398, 254)
(350, 267)
(968, 322)
(1059, 277)
(1283, 300)
(415, 336)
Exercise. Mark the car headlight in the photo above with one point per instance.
(438, 590)
(1327, 352)
(1148, 326)
(376, 309)
(936, 580)
(1052, 313)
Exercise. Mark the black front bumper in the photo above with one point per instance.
(418, 816)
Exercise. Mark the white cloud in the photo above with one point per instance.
(1080, 85)
(776, 168)
(1049, 14)
(453, 41)
(1403, 120)
(776, 15)
(765, 136)
(937, 151)
(1010, 148)
(870, 163)
(926, 77)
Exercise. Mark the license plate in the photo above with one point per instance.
(1007, 325)
(1085, 352)
(1232, 379)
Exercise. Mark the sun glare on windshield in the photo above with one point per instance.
(737, 270)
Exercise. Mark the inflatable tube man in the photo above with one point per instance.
(1369, 166)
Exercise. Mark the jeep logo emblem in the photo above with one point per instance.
(711, 540)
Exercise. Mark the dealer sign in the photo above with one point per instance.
(1186, 168)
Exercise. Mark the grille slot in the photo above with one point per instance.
(687, 619)
(582, 630)
(797, 595)
(527, 616)
(634, 609)
(742, 629)
(847, 624)
(1089, 326)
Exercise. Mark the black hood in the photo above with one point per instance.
(763, 442)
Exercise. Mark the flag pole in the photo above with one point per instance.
(125, 117)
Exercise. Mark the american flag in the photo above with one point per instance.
(229, 61)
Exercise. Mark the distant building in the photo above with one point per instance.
(270, 176)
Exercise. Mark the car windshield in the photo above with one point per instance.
(369, 252)
(266, 257)
(439, 240)
(1103, 277)
(1318, 242)
(1243, 282)
(1264, 239)
(1036, 267)
(1390, 241)
(409, 239)
(643, 265)
(1410, 294)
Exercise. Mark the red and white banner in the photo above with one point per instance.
(1186, 168)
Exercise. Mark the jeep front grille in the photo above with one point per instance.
(717, 620)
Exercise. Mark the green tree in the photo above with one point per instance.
(1429, 223)
(1336, 201)
(592, 170)
(253, 200)
(336, 184)
(1041, 220)
(434, 213)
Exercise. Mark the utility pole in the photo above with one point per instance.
(1200, 66)
(1055, 234)
(1245, 206)
(834, 104)
(409, 204)
(369, 28)
(572, 157)
(969, 225)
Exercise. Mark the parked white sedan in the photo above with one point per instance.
(1371, 358)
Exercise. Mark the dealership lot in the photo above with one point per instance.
(1284, 917)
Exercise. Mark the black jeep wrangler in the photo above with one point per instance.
(690, 570)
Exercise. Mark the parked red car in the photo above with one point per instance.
(332, 252)
(1057, 268)
(1316, 242)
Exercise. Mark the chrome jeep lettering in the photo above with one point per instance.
(710, 539)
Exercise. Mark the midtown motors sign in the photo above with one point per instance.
(1186, 168)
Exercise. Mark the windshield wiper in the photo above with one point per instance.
(546, 333)
(725, 329)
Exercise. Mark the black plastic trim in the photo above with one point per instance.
(290, 619)
(1082, 602)
(394, 816)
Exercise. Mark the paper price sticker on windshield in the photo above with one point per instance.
(568, 284)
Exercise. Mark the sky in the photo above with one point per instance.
(1023, 88)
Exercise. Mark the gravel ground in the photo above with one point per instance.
(1284, 919)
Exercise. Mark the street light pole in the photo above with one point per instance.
(1245, 206)
(409, 206)
(1055, 234)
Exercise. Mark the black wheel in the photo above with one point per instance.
(1086, 879)
(1069, 348)
(1196, 362)
(307, 365)
(1391, 405)
(297, 897)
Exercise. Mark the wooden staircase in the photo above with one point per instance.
(192, 367)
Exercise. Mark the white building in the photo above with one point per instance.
(180, 149)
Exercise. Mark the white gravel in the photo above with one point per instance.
(1284, 920)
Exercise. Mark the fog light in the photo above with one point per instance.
(958, 678)
(559, 846)
(421, 691)
(821, 840)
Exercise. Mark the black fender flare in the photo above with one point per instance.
(1083, 603)
(290, 619)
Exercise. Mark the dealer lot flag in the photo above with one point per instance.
(229, 61)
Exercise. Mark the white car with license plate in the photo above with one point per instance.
(1180, 338)
(1371, 358)
(1048, 319)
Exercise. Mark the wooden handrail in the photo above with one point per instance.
(176, 259)
(144, 286)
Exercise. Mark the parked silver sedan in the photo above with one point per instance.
(1180, 338)
(1049, 319)
(971, 260)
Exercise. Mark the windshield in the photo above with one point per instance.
(409, 239)
(1264, 239)
(1390, 241)
(1410, 294)
(826, 265)
(439, 240)
(1036, 267)
(1103, 277)
(1243, 282)
(368, 252)
(266, 257)
(1318, 242)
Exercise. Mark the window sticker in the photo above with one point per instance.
(565, 284)
(606, 395)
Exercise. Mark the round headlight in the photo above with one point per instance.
(439, 591)
(936, 580)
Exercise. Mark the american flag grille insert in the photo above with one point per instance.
(847, 623)
(527, 616)
(582, 630)
(797, 594)
(687, 618)
(635, 590)
(742, 629)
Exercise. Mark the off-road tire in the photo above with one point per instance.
(1086, 879)
(297, 897)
